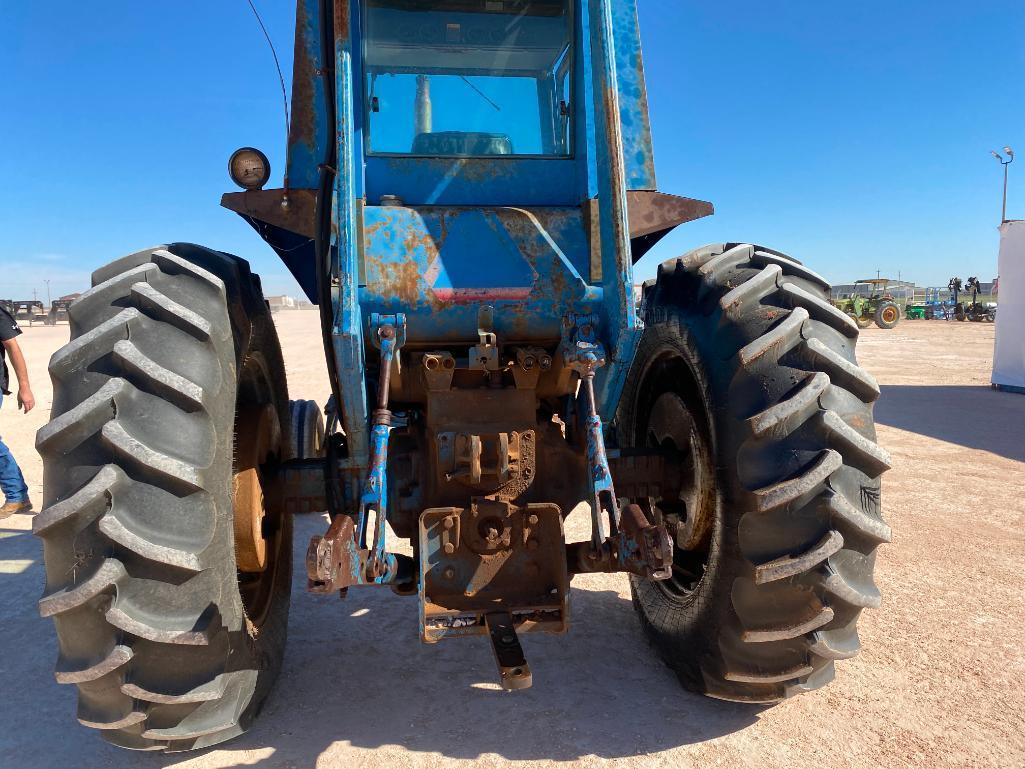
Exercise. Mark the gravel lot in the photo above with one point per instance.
(940, 683)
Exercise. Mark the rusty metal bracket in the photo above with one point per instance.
(642, 548)
(529, 364)
(512, 664)
(484, 355)
(439, 369)
(492, 556)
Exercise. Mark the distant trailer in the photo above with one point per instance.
(59, 312)
(29, 311)
(278, 303)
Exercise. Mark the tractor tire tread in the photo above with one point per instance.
(784, 417)
(777, 316)
(67, 598)
(839, 644)
(793, 629)
(133, 594)
(793, 565)
(118, 656)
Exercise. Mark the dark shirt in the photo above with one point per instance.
(8, 330)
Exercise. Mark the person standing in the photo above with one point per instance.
(12, 482)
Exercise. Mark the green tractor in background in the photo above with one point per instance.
(874, 305)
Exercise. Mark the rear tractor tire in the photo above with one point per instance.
(747, 374)
(170, 624)
(887, 315)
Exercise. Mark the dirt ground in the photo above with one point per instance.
(940, 683)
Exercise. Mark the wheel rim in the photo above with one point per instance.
(677, 424)
(889, 314)
(258, 519)
(257, 437)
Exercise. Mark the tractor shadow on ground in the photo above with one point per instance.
(357, 673)
(356, 678)
(31, 703)
(975, 417)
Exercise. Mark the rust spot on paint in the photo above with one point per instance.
(342, 30)
(303, 129)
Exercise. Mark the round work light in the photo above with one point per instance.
(249, 168)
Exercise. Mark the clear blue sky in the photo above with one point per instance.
(853, 135)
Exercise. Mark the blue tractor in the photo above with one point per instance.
(469, 184)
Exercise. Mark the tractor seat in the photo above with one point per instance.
(462, 143)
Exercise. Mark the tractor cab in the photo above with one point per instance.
(456, 79)
(875, 288)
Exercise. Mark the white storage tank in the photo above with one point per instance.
(1009, 355)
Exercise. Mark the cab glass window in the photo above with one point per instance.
(468, 78)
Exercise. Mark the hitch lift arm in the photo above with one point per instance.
(632, 544)
(341, 558)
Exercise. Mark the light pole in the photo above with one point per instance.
(1005, 164)
(47, 292)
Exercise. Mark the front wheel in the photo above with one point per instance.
(860, 320)
(746, 379)
(166, 577)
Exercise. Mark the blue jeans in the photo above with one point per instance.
(12, 482)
